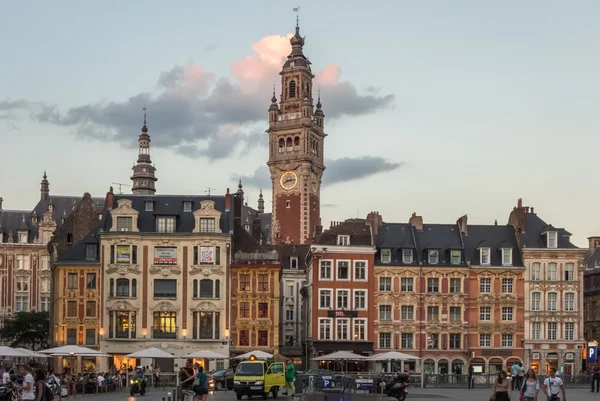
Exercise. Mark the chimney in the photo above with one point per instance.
(1, 200)
(416, 222)
(531, 209)
(256, 230)
(526, 209)
(462, 224)
(318, 231)
(110, 199)
(238, 201)
(227, 201)
(374, 220)
(520, 203)
(594, 243)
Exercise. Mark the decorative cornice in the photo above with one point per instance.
(207, 270)
(123, 269)
(165, 270)
(165, 306)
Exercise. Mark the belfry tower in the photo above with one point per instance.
(296, 139)
(144, 173)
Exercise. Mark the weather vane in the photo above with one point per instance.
(297, 11)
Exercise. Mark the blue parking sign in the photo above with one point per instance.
(327, 382)
(592, 351)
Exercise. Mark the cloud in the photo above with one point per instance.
(338, 171)
(199, 114)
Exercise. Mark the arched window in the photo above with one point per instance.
(297, 141)
(111, 291)
(292, 90)
(122, 287)
(217, 288)
(281, 145)
(289, 143)
(206, 288)
(134, 288)
(195, 288)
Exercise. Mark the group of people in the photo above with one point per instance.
(192, 377)
(527, 383)
(33, 380)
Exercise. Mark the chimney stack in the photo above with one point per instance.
(227, 201)
(594, 243)
(374, 220)
(416, 222)
(462, 224)
(110, 199)
(520, 203)
(531, 209)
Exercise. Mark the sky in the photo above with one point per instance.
(434, 107)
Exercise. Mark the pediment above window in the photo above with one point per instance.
(165, 307)
(206, 306)
(121, 306)
(124, 208)
(207, 209)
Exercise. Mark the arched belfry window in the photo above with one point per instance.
(292, 89)
(281, 145)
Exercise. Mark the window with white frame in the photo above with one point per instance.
(552, 298)
(536, 271)
(507, 340)
(325, 329)
(23, 262)
(433, 256)
(386, 255)
(406, 284)
(506, 256)
(360, 329)
(485, 340)
(536, 301)
(187, 206)
(325, 299)
(22, 304)
(360, 270)
(45, 304)
(485, 285)
(485, 313)
(433, 284)
(325, 269)
(343, 297)
(570, 331)
(385, 312)
(343, 240)
(22, 284)
(385, 340)
(293, 262)
(552, 239)
(484, 256)
(552, 328)
(44, 260)
(507, 285)
(455, 284)
(536, 330)
(342, 329)
(343, 270)
(552, 272)
(407, 256)
(455, 314)
(360, 299)
(569, 302)
(23, 237)
(385, 284)
(454, 340)
(45, 284)
(407, 340)
(455, 257)
(149, 206)
(507, 313)
(407, 312)
(569, 272)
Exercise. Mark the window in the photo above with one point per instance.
(569, 272)
(165, 224)
(289, 313)
(206, 325)
(433, 313)
(385, 340)
(244, 310)
(485, 340)
(122, 287)
(90, 336)
(244, 338)
(22, 304)
(485, 285)
(124, 223)
(552, 239)
(552, 330)
(433, 256)
(360, 271)
(263, 338)
(71, 308)
(44, 261)
(91, 251)
(343, 240)
(485, 313)
(22, 284)
(407, 340)
(244, 282)
(23, 237)
(535, 272)
(263, 310)
(360, 299)
(454, 341)
(90, 309)
(293, 262)
(164, 324)
(507, 340)
(187, 206)
(386, 255)
(71, 336)
(292, 89)
(406, 284)
(552, 297)
(90, 281)
(291, 290)
(507, 285)
(45, 304)
(385, 284)
(407, 312)
(343, 270)
(455, 284)
(455, 314)
(206, 288)
(536, 301)
(569, 302)
(360, 329)
(484, 256)
(149, 206)
(263, 282)
(72, 281)
(407, 256)
(433, 341)
(207, 225)
(325, 269)
(536, 330)
(165, 288)
(325, 299)
(507, 313)
(569, 331)
(506, 257)
(23, 262)
(552, 270)
(433, 284)
(325, 329)
(124, 322)
(455, 257)
(385, 312)
(342, 299)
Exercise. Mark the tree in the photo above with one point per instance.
(27, 329)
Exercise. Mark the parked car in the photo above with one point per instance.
(223, 379)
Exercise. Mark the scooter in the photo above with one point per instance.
(8, 392)
(397, 388)
(137, 386)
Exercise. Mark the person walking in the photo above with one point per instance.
(502, 390)
(201, 384)
(596, 377)
(470, 377)
(521, 375)
(290, 376)
(554, 387)
(514, 373)
(28, 384)
(530, 387)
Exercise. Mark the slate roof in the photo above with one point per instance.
(250, 214)
(171, 205)
(534, 227)
(495, 238)
(593, 260)
(78, 252)
(357, 229)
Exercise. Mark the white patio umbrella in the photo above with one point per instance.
(257, 354)
(206, 354)
(153, 353)
(31, 353)
(12, 352)
(73, 350)
(391, 356)
(341, 356)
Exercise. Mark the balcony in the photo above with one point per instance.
(118, 333)
(163, 332)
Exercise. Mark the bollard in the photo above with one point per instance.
(299, 384)
(169, 397)
(163, 399)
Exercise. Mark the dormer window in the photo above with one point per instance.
(293, 262)
(69, 238)
(91, 252)
(455, 257)
(100, 216)
(484, 256)
(506, 256)
(165, 224)
(23, 237)
(407, 256)
(247, 227)
(343, 240)
(386, 255)
(433, 256)
(187, 206)
(149, 206)
(124, 223)
(552, 239)
(207, 225)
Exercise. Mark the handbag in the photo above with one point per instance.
(522, 397)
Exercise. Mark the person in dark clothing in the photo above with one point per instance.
(185, 373)
(470, 377)
(596, 377)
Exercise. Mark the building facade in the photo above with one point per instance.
(591, 298)
(165, 262)
(553, 293)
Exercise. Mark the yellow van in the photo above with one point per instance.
(258, 378)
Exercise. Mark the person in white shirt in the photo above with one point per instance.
(5, 377)
(100, 382)
(28, 383)
(554, 387)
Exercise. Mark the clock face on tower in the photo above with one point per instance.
(288, 180)
(315, 182)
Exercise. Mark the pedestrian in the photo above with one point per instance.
(530, 387)
(596, 377)
(28, 383)
(554, 387)
(502, 390)
(514, 372)
(290, 376)
(470, 377)
(201, 384)
(521, 375)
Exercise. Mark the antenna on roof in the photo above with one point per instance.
(120, 187)
(209, 190)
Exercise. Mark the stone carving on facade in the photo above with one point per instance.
(165, 306)
(406, 327)
(123, 269)
(432, 299)
(384, 324)
(286, 167)
(165, 270)
(485, 328)
(456, 299)
(264, 324)
(121, 305)
(507, 299)
(22, 273)
(165, 243)
(207, 270)
(507, 328)
(243, 324)
(206, 306)
(385, 298)
(457, 274)
(124, 207)
(485, 299)
(434, 327)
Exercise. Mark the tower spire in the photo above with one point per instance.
(297, 11)
(261, 202)
(144, 177)
(45, 187)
